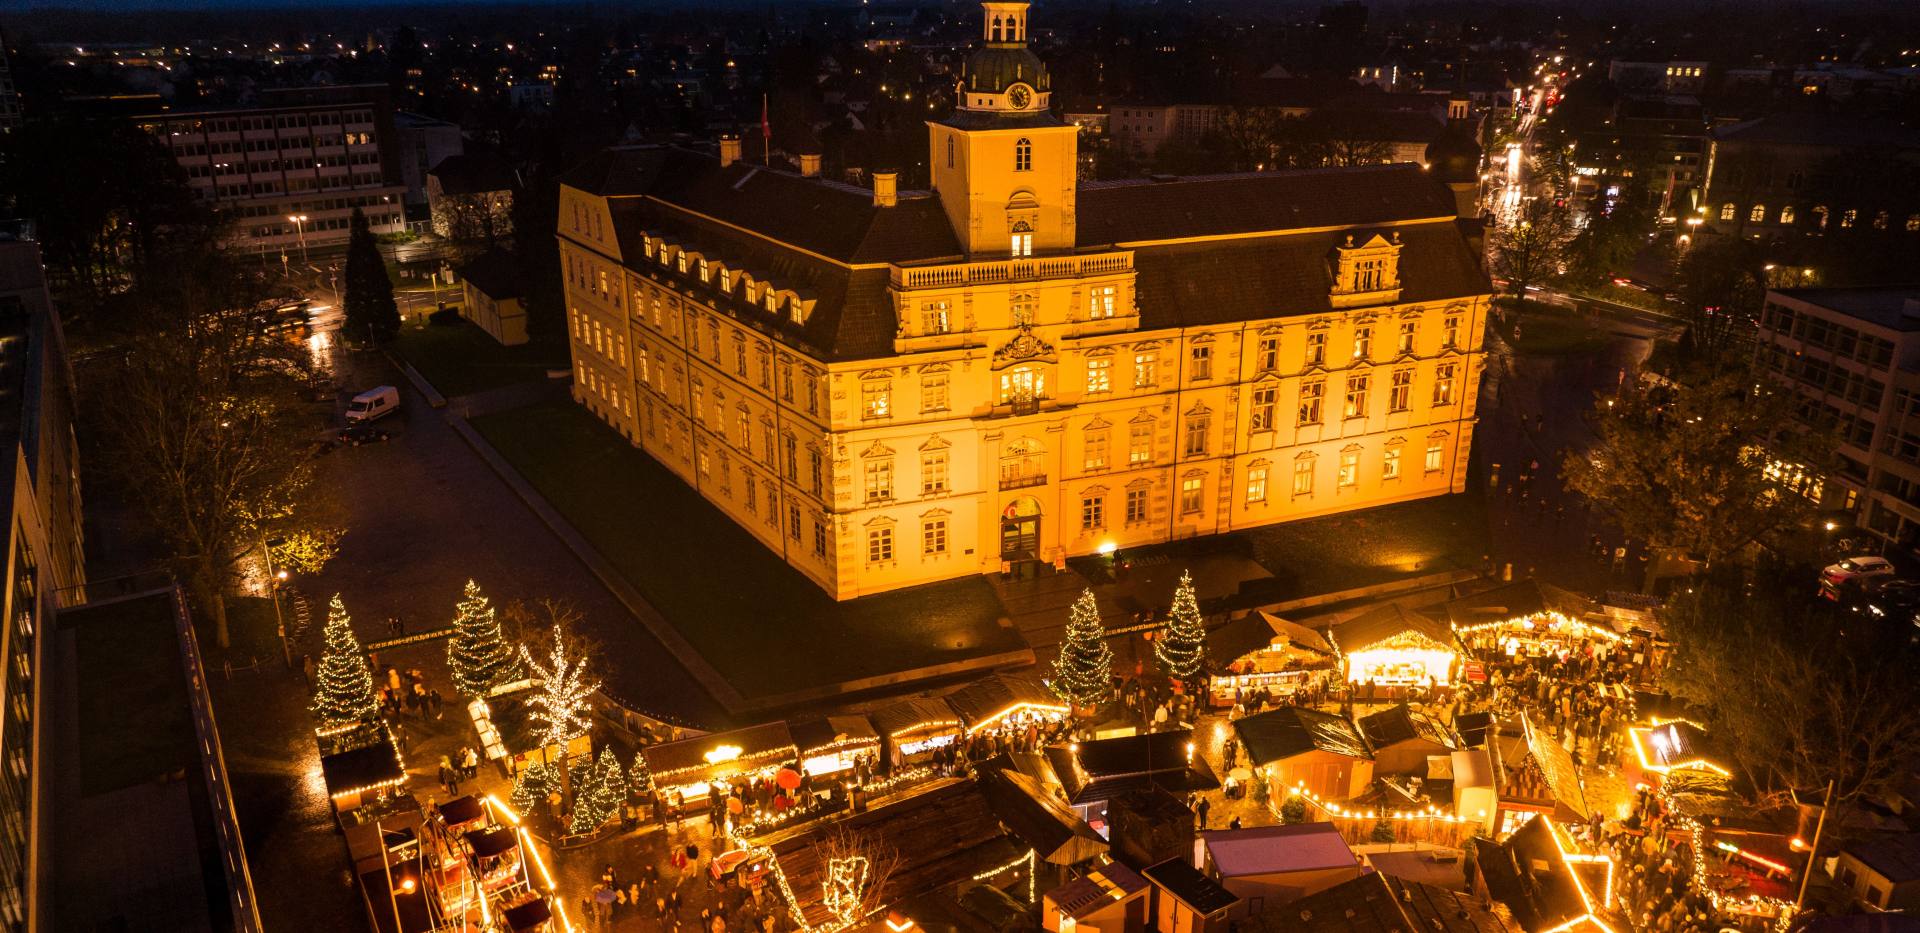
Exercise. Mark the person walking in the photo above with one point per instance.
(1201, 812)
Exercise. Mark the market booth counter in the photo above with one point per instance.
(1266, 652)
(914, 730)
(1393, 648)
(831, 747)
(689, 766)
(1529, 617)
(1004, 702)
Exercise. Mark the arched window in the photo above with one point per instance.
(1820, 217)
(1758, 214)
(1787, 215)
(1022, 244)
(1023, 463)
(1726, 211)
(1023, 155)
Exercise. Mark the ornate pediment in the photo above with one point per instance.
(1023, 347)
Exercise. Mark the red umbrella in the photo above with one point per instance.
(787, 778)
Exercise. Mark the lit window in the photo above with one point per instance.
(1349, 468)
(1390, 464)
(1726, 211)
(934, 318)
(1096, 458)
(1786, 215)
(1362, 343)
(1303, 476)
(1140, 442)
(1357, 396)
(1757, 214)
(1310, 396)
(876, 399)
(933, 472)
(1022, 386)
(1443, 384)
(1093, 512)
(1400, 394)
(1099, 376)
(1202, 368)
(1102, 301)
(1021, 246)
(933, 537)
(1257, 484)
(1191, 489)
(933, 392)
(1145, 370)
(879, 475)
(879, 545)
(1847, 218)
(1264, 399)
(1436, 450)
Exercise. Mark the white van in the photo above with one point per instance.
(373, 404)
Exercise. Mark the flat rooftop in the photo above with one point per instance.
(1884, 305)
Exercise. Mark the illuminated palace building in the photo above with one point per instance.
(889, 388)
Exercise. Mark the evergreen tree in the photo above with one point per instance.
(371, 312)
(1383, 831)
(598, 796)
(639, 776)
(1293, 811)
(1082, 674)
(478, 654)
(534, 783)
(345, 692)
(1182, 648)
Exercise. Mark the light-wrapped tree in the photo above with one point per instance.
(477, 654)
(1182, 648)
(1083, 673)
(344, 693)
(598, 797)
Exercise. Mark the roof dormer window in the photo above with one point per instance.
(1366, 272)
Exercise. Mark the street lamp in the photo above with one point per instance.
(300, 230)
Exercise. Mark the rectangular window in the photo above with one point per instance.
(1140, 442)
(876, 399)
(793, 522)
(819, 537)
(1202, 368)
(1022, 245)
(1400, 396)
(1303, 477)
(1349, 468)
(1190, 494)
(1390, 464)
(1264, 402)
(1311, 394)
(1101, 302)
(786, 383)
(1096, 458)
(1257, 484)
(933, 392)
(1026, 307)
(879, 474)
(1093, 513)
(1357, 396)
(1363, 343)
(933, 472)
(811, 384)
(1450, 334)
(1099, 376)
(1435, 451)
(933, 537)
(934, 318)
(1197, 435)
(1317, 348)
(1267, 358)
(879, 545)
(1443, 384)
(739, 356)
(1145, 370)
(1407, 331)
(753, 496)
(766, 370)
(1137, 505)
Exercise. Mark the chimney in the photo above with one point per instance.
(885, 189)
(729, 150)
(810, 164)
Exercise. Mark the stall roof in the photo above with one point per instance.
(1107, 884)
(1294, 730)
(763, 744)
(911, 712)
(1670, 744)
(1530, 875)
(810, 735)
(1556, 763)
(1199, 892)
(1038, 818)
(367, 766)
(1266, 850)
(1896, 856)
(487, 843)
(459, 810)
(1380, 903)
(1106, 768)
(1032, 765)
(529, 915)
(1254, 631)
(942, 835)
(1402, 724)
(1515, 600)
(991, 697)
(1472, 728)
(1381, 623)
(1472, 768)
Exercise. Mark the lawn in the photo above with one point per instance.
(460, 359)
(766, 629)
(134, 716)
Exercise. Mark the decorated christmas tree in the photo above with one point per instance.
(598, 794)
(639, 776)
(1082, 674)
(344, 694)
(477, 653)
(1182, 648)
(533, 784)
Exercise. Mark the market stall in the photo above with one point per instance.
(361, 770)
(832, 747)
(686, 768)
(915, 729)
(1663, 746)
(1392, 647)
(1006, 703)
(1265, 652)
(1529, 618)
(508, 733)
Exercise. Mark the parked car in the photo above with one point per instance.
(362, 433)
(373, 404)
(1898, 601)
(1854, 568)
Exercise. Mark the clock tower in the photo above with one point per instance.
(1004, 167)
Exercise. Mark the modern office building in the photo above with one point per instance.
(890, 388)
(289, 170)
(1853, 356)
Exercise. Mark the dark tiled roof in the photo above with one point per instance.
(1380, 903)
(1038, 818)
(475, 173)
(982, 120)
(1379, 624)
(1821, 129)
(1143, 210)
(911, 712)
(361, 767)
(1294, 730)
(1194, 889)
(826, 731)
(1515, 600)
(990, 696)
(494, 273)
(1106, 768)
(1098, 888)
(762, 741)
(1402, 724)
(1897, 856)
(1528, 874)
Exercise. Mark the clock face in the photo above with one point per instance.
(1019, 96)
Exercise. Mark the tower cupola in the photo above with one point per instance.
(1002, 75)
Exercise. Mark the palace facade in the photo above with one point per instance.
(891, 388)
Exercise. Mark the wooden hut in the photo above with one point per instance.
(1320, 752)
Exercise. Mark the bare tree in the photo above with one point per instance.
(854, 874)
(1533, 247)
